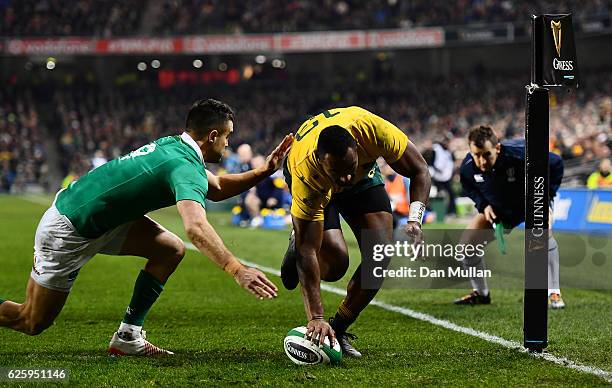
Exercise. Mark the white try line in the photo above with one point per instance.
(45, 201)
(607, 376)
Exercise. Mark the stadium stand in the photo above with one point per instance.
(22, 153)
(206, 16)
(88, 119)
(82, 17)
(95, 116)
(175, 17)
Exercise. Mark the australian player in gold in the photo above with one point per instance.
(332, 171)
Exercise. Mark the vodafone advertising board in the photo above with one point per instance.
(230, 44)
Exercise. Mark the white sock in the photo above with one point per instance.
(482, 290)
(129, 332)
(553, 264)
(554, 291)
(478, 283)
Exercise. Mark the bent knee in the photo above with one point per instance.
(174, 248)
(180, 250)
(335, 268)
(334, 275)
(35, 326)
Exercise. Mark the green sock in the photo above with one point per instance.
(146, 291)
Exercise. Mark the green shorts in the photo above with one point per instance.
(366, 196)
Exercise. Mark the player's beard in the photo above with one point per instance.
(213, 158)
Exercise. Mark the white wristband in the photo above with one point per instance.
(417, 209)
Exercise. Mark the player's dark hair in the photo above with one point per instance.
(481, 134)
(334, 140)
(205, 114)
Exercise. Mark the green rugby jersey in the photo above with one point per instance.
(154, 176)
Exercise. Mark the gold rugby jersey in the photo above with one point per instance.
(311, 188)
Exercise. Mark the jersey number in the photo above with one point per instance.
(144, 150)
(309, 126)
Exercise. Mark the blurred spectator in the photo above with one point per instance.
(240, 162)
(602, 178)
(22, 154)
(180, 17)
(214, 16)
(268, 194)
(398, 189)
(116, 121)
(98, 159)
(68, 179)
(442, 171)
(80, 17)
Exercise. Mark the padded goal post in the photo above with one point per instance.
(554, 65)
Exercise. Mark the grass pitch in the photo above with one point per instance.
(221, 335)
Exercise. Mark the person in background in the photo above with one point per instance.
(493, 176)
(267, 194)
(398, 189)
(442, 171)
(98, 159)
(602, 178)
(245, 156)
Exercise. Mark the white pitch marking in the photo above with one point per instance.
(37, 200)
(607, 376)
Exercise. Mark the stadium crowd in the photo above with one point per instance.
(205, 16)
(172, 17)
(93, 126)
(80, 17)
(22, 153)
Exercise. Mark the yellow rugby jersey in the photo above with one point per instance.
(311, 188)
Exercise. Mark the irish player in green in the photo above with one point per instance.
(105, 212)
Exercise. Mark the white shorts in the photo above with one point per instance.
(60, 253)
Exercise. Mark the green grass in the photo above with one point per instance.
(222, 335)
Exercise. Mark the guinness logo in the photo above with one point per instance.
(556, 31)
(302, 353)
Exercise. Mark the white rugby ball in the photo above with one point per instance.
(303, 352)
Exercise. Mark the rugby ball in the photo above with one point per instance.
(303, 352)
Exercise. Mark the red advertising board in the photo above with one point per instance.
(231, 44)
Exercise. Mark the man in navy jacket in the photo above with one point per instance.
(493, 176)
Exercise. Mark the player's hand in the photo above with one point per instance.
(254, 281)
(413, 230)
(318, 329)
(274, 160)
(490, 214)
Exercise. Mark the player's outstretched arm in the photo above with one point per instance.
(229, 185)
(206, 239)
(412, 165)
(308, 238)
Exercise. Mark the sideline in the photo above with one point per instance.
(605, 375)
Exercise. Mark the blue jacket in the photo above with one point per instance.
(503, 187)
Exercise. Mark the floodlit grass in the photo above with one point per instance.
(222, 335)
